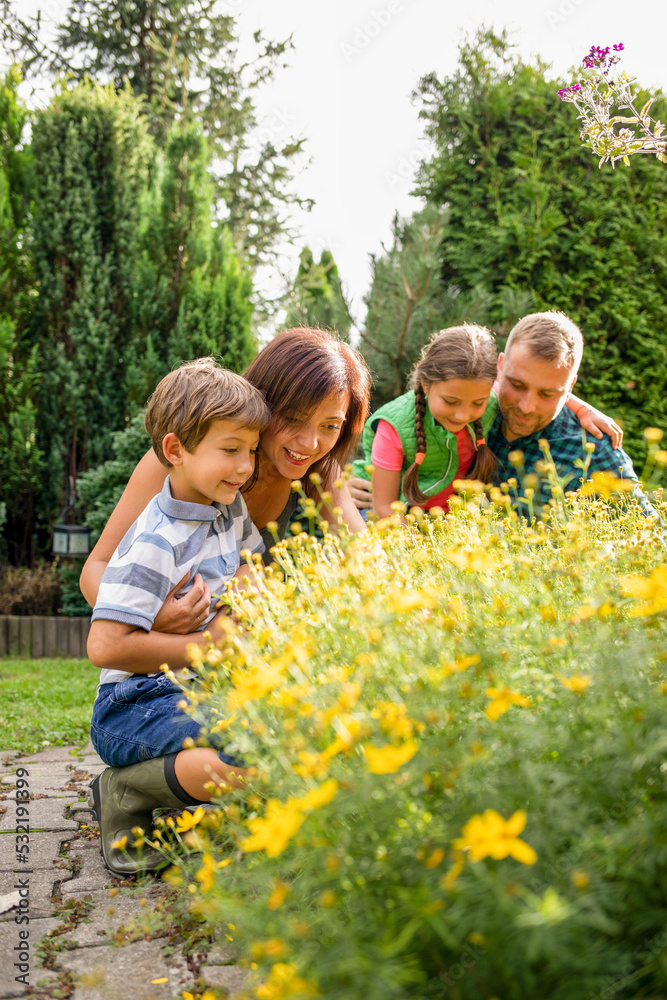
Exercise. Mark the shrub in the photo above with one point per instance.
(26, 591)
(458, 737)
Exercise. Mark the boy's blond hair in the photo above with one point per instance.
(550, 336)
(189, 399)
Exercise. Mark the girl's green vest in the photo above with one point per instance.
(441, 462)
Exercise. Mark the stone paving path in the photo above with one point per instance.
(69, 928)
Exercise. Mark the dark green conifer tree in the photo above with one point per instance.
(90, 150)
(528, 209)
(181, 57)
(191, 297)
(21, 465)
(317, 298)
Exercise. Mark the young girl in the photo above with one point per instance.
(435, 433)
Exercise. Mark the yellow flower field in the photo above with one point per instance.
(457, 730)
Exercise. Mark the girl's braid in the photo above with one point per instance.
(413, 494)
(486, 461)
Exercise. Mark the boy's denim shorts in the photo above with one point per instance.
(139, 718)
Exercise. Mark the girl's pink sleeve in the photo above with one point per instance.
(387, 451)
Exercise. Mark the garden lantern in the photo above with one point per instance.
(70, 539)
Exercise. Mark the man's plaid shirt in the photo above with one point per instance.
(566, 444)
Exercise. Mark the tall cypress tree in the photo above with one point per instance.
(192, 296)
(181, 57)
(91, 150)
(21, 465)
(317, 298)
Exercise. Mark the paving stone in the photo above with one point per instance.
(92, 875)
(222, 954)
(40, 886)
(82, 844)
(45, 814)
(111, 973)
(233, 978)
(9, 939)
(181, 976)
(44, 850)
(109, 913)
(50, 786)
(51, 754)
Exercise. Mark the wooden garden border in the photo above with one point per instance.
(39, 636)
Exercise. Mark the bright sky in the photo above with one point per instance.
(354, 67)
(348, 90)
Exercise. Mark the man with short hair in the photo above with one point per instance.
(536, 374)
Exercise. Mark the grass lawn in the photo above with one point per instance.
(45, 702)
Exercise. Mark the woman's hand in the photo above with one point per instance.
(361, 491)
(182, 615)
(598, 423)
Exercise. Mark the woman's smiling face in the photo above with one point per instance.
(294, 442)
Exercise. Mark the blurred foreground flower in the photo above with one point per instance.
(605, 484)
(651, 590)
(273, 831)
(489, 835)
(502, 699)
(577, 682)
(388, 759)
(284, 982)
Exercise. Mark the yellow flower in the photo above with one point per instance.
(651, 590)
(317, 796)
(388, 759)
(580, 879)
(652, 434)
(489, 835)
(273, 831)
(458, 665)
(474, 560)
(248, 685)
(604, 484)
(434, 860)
(278, 896)
(120, 845)
(283, 982)
(187, 820)
(401, 601)
(394, 720)
(206, 874)
(502, 699)
(448, 880)
(577, 682)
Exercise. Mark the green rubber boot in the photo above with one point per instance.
(124, 798)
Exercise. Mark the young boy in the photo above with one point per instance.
(204, 424)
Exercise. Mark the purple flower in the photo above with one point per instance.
(619, 47)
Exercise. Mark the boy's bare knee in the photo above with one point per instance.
(197, 768)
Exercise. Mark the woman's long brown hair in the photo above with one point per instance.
(296, 372)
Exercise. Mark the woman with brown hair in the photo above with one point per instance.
(318, 390)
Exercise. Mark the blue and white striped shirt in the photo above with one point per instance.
(169, 539)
